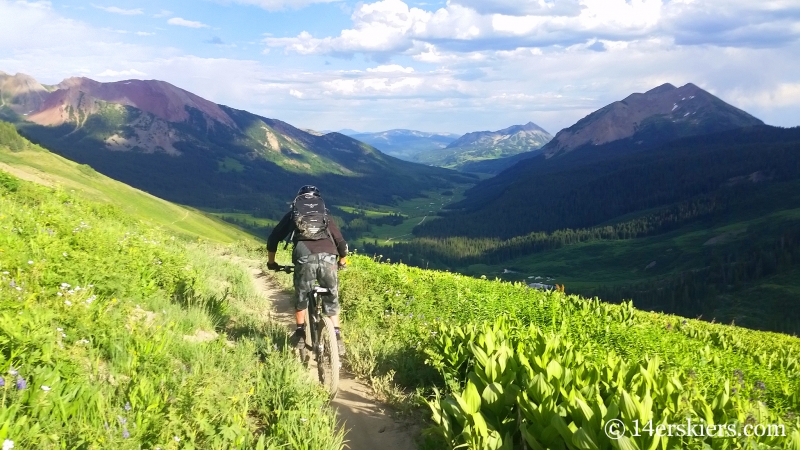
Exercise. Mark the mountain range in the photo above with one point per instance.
(184, 148)
(637, 124)
(487, 145)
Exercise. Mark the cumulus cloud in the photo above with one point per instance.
(118, 10)
(391, 27)
(186, 23)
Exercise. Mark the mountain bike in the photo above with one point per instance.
(320, 339)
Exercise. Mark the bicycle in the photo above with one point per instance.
(320, 338)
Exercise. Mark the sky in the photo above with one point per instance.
(440, 66)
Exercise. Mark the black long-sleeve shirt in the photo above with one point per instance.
(286, 226)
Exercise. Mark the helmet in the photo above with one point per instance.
(308, 189)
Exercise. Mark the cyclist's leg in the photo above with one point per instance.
(328, 277)
(304, 275)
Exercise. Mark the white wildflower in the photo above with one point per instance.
(30, 262)
(177, 439)
(67, 302)
(8, 444)
(46, 388)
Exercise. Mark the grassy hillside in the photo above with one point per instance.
(114, 334)
(500, 364)
(34, 163)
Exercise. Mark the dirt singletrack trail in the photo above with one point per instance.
(369, 425)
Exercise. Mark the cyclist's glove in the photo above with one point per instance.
(273, 266)
(341, 265)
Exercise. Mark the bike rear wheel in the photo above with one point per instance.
(327, 353)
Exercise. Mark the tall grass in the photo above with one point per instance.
(115, 335)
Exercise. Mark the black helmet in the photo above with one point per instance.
(308, 189)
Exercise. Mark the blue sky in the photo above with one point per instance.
(456, 65)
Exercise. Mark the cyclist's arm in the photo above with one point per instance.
(281, 230)
(338, 239)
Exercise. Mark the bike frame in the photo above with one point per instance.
(316, 325)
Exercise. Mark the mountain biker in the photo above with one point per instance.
(314, 260)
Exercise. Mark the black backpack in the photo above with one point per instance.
(310, 218)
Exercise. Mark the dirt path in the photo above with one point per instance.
(369, 426)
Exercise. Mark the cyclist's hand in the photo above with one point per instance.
(273, 266)
(342, 264)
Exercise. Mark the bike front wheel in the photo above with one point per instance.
(327, 353)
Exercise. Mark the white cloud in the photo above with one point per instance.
(391, 27)
(108, 73)
(117, 10)
(144, 33)
(275, 5)
(186, 23)
(391, 68)
(295, 93)
(163, 13)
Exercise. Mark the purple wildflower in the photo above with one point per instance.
(21, 383)
(127, 406)
(125, 433)
(2, 381)
(761, 386)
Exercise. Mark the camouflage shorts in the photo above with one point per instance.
(319, 268)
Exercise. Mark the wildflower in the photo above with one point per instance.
(8, 444)
(303, 419)
(684, 322)
(91, 299)
(122, 420)
(59, 294)
(177, 439)
(65, 285)
(67, 302)
(30, 262)
(13, 283)
(2, 382)
(5, 272)
(59, 329)
(125, 433)
(21, 383)
(65, 254)
(127, 406)
(12, 371)
(83, 341)
(761, 386)
(46, 388)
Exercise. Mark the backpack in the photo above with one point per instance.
(310, 218)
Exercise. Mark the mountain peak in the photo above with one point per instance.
(687, 110)
(21, 93)
(666, 87)
(159, 98)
